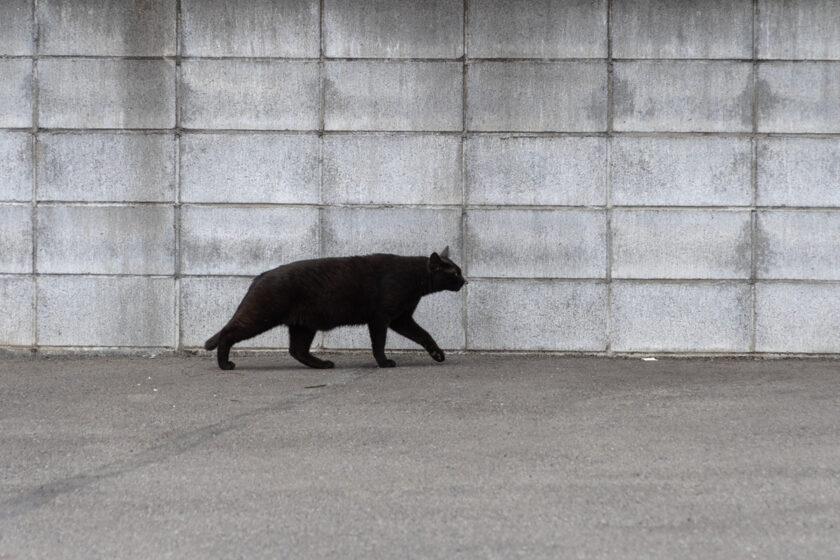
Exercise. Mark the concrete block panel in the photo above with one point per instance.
(106, 239)
(402, 231)
(397, 169)
(798, 97)
(236, 240)
(15, 166)
(389, 29)
(682, 96)
(536, 315)
(797, 317)
(537, 243)
(364, 95)
(90, 93)
(15, 238)
(107, 27)
(207, 304)
(16, 28)
(798, 30)
(697, 171)
(108, 167)
(15, 92)
(537, 29)
(537, 96)
(798, 172)
(257, 95)
(440, 314)
(682, 29)
(681, 244)
(704, 317)
(799, 245)
(271, 168)
(536, 171)
(17, 301)
(250, 28)
(129, 311)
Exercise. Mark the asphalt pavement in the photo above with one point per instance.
(482, 456)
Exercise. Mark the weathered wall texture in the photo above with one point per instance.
(615, 176)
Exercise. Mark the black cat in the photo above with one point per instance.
(379, 290)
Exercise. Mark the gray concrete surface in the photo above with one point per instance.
(602, 167)
(480, 457)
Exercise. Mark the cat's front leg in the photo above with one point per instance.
(408, 327)
(378, 333)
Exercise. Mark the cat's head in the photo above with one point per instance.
(446, 275)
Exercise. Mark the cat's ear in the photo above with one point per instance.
(434, 262)
(445, 252)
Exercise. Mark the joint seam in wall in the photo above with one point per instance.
(34, 146)
(464, 295)
(753, 179)
(177, 170)
(608, 186)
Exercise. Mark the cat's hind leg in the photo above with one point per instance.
(300, 340)
(237, 332)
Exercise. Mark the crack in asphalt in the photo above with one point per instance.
(38, 497)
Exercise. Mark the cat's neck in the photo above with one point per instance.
(422, 277)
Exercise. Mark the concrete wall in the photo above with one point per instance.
(614, 175)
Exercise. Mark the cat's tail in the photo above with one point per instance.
(213, 341)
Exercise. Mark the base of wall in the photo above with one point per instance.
(94, 352)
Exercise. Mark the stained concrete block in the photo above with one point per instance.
(106, 239)
(397, 169)
(697, 171)
(797, 317)
(106, 93)
(798, 172)
(250, 28)
(536, 315)
(681, 244)
(257, 95)
(129, 311)
(537, 96)
(15, 238)
(16, 27)
(15, 166)
(269, 168)
(388, 29)
(682, 96)
(798, 30)
(798, 245)
(440, 314)
(17, 301)
(798, 97)
(364, 95)
(15, 92)
(682, 29)
(537, 243)
(402, 231)
(703, 317)
(107, 27)
(241, 240)
(106, 166)
(536, 171)
(207, 304)
(537, 29)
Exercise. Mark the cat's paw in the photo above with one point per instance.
(387, 363)
(326, 364)
(227, 365)
(437, 355)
